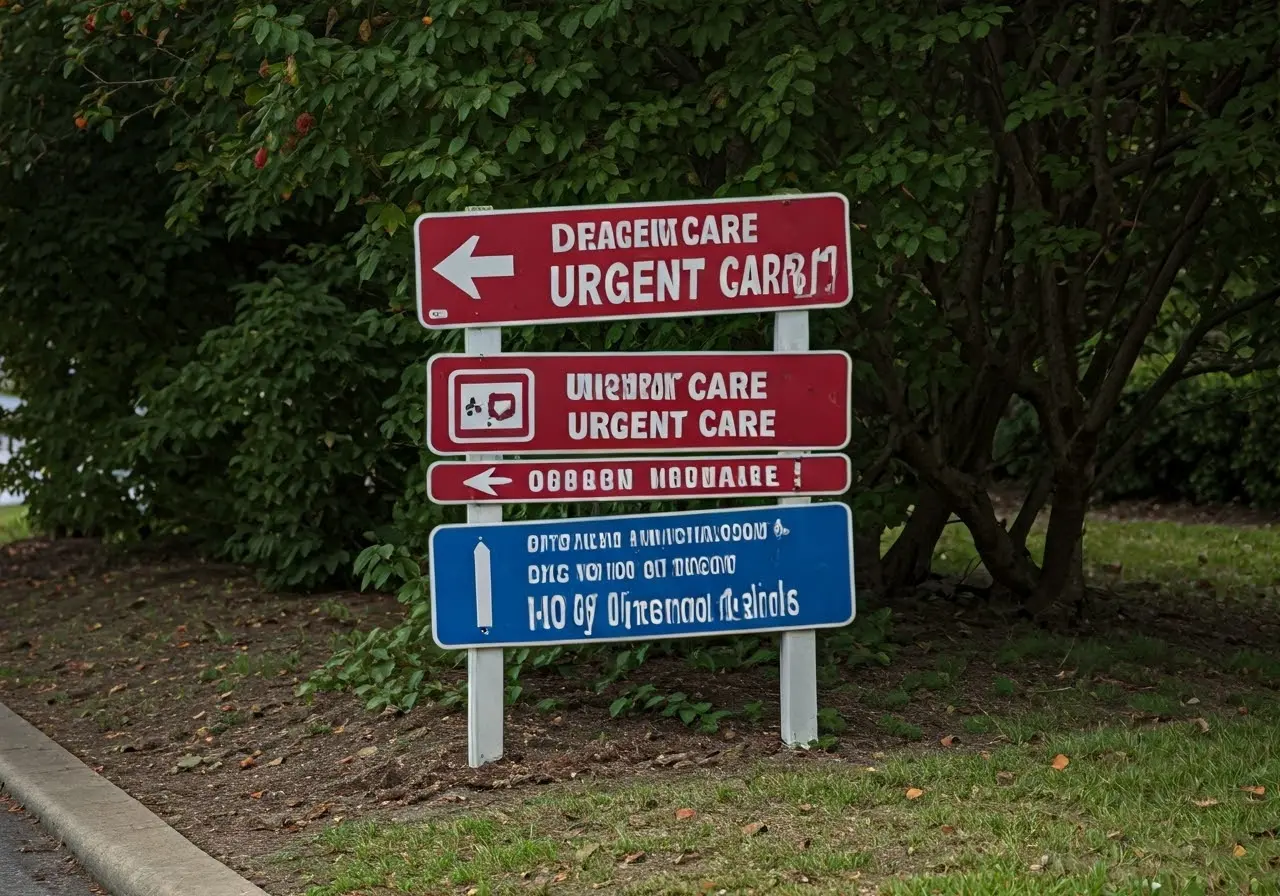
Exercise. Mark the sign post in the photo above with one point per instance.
(485, 680)
(785, 569)
(486, 686)
(798, 653)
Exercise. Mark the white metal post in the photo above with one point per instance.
(798, 662)
(486, 687)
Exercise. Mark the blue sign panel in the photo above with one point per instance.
(634, 578)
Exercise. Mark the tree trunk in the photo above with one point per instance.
(868, 571)
(1062, 570)
(1041, 488)
(909, 559)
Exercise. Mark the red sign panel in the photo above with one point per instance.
(636, 479)
(642, 259)
(619, 403)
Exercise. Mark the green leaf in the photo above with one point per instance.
(569, 24)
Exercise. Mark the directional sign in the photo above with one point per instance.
(584, 403)
(633, 578)
(636, 479)
(626, 260)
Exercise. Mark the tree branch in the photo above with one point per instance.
(1176, 370)
(1144, 317)
(1104, 184)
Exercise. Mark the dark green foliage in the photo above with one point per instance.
(287, 400)
(1211, 441)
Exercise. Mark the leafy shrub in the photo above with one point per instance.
(287, 401)
(1211, 440)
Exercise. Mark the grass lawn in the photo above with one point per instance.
(1129, 808)
(1120, 762)
(13, 523)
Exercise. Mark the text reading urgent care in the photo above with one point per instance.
(654, 401)
(649, 280)
(700, 387)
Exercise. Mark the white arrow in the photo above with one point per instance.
(484, 587)
(486, 480)
(461, 268)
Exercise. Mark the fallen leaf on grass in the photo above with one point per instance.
(632, 857)
(686, 814)
(914, 793)
(948, 829)
(806, 808)
(1115, 835)
(1004, 777)
(1206, 803)
(366, 752)
(319, 811)
(689, 856)
(276, 761)
(756, 827)
(1202, 725)
(949, 740)
(345, 759)
(115, 689)
(248, 762)
(257, 794)
(586, 852)
(188, 761)
(1060, 762)
(198, 716)
(1239, 851)
(1254, 790)
(561, 877)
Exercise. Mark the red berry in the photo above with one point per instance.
(304, 123)
(260, 158)
(81, 122)
(126, 15)
(90, 23)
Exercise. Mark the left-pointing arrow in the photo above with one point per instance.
(462, 266)
(484, 588)
(485, 480)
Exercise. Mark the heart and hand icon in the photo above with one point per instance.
(502, 405)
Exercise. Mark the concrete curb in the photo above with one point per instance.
(122, 844)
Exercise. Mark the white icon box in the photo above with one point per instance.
(491, 405)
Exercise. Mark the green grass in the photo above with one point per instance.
(1124, 812)
(1178, 556)
(13, 523)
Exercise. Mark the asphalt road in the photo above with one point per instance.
(33, 864)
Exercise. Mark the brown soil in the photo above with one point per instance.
(138, 662)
